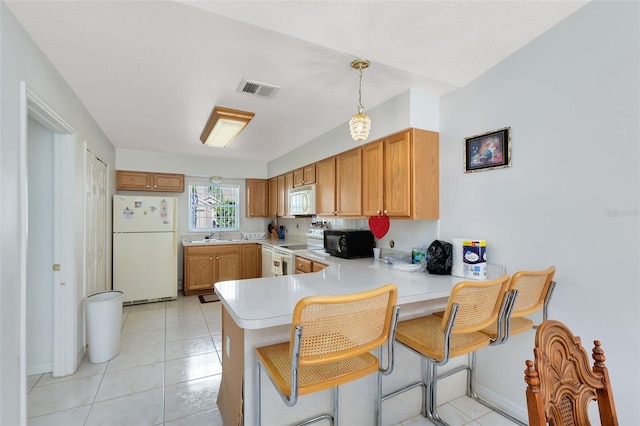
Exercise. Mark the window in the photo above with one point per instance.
(214, 207)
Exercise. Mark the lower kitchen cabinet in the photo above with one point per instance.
(251, 261)
(304, 266)
(206, 265)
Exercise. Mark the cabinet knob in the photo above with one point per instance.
(378, 212)
(217, 258)
(210, 258)
(385, 212)
(155, 186)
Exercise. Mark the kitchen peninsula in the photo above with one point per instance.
(257, 312)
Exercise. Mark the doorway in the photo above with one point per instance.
(57, 270)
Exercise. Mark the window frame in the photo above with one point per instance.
(191, 206)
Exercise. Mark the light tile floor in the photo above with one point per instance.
(168, 373)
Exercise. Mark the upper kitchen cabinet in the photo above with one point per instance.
(349, 183)
(304, 175)
(278, 194)
(283, 194)
(339, 185)
(273, 197)
(326, 187)
(288, 186)
(149, 181)
(257, 198)
(401, 176)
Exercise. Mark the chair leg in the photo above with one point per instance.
(432, 397)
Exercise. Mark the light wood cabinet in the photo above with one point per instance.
(326, 187)
(273, 197)
(149, 181)
(349, 183)
(288, 186)
(401, 176)
(278, 196)
(257, 198)
(251, 261)
(206, 265)
(304, 266)
(304, 175)
(339, 185)
(282, 203)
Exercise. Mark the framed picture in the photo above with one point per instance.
(488, 151)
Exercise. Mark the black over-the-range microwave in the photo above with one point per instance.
(349, 243)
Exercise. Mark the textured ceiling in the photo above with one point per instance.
(150, 72)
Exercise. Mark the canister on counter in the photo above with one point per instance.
(475, 259)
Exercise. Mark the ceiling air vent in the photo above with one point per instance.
(258, 89)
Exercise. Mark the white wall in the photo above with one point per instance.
(408, 109)
(190, 165)
(571, 197)
(22, 60)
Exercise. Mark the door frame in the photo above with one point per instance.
(65, 291)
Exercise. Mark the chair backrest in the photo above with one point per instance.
(560, 383)
(340, 327)
(478, 304)
(533, 289)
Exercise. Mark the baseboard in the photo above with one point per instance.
(45, 367)
(499, 401)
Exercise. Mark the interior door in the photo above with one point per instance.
(95, 223)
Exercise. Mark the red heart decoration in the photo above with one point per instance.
(379, 225)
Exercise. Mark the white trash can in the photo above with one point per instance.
(104, 320)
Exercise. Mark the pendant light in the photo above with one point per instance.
(360, 124)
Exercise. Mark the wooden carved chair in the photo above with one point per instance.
(560, 383)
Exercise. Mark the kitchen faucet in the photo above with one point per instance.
(211, 235)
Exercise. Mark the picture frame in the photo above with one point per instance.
(488, 151)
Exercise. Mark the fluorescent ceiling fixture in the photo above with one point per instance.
(224, 125)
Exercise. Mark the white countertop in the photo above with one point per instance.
(268, 302)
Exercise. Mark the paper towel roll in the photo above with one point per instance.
(457, 267)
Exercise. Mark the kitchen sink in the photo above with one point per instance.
(212, 241)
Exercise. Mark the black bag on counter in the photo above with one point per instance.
(439, 258)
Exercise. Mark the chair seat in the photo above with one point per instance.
(425, 336)
(516, 326)
(276, 360)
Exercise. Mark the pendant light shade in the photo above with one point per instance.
(360, 124)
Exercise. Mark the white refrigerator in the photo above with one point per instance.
(145, 248)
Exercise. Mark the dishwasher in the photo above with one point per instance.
(267, 261)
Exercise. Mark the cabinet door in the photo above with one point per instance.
(349, 183)
(372, 178)
(298, 177)
(288, 186)
(198, 270)
(316, 266)
(130, 180)
(257, 198)
(397, 175)
(309, 174)
(168, 182)
(282, 207)
(326, 187)
(227, 263)
(303, 265)
(251, 261)
(273, 197)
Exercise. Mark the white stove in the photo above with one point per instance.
(315, 239)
